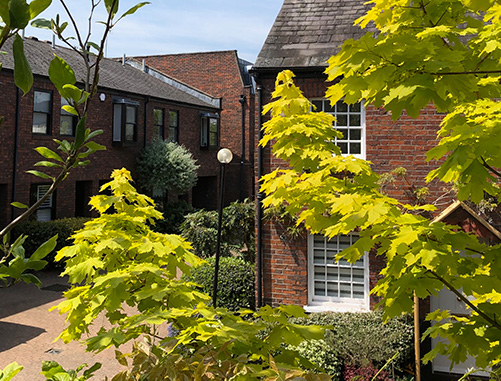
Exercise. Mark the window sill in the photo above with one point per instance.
(335, 307)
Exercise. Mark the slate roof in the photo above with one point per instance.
(307, 32)
(112, 75)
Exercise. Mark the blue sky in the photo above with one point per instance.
(168, 26)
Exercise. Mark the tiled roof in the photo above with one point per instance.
(307, 32)
(112, 74)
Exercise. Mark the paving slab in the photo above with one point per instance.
(28, 331)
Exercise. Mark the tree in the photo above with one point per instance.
(444, 53)
(167, 165)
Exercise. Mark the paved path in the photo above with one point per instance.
(28, 330)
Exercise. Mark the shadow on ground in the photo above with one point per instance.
(24, 333)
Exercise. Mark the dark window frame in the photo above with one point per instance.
(124, 105)
(209, 139)
(47, 113)
(64, 114)
(174, 129)
(159, 128)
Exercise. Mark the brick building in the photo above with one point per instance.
(302, 271)
(224, 75)
(131, 107)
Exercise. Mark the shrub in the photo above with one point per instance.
(362, 340)
(38, 232)
(235, 282)
(237, 232)
(167, 165)
(174, 213)
(323, 355)
(366, 373)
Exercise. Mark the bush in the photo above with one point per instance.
(237, 232)
(167, 165)
(174, 213)
(235, 282)
(363, 341)
(38, 232)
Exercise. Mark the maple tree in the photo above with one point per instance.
(442, 52)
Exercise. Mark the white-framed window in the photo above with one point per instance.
(336, 286)
(44, 211)
(350, 121)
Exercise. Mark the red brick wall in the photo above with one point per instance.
(218, 74)
(388, 145)
(103, 162)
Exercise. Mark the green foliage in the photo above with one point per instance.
(174, 213)
(167, 165)
(52, 371)
(444, 53)
(118, 261)
(37, 232)
(237, 230)
(10, 371)
(236, 280)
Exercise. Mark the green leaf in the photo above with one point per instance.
(40, 174)
(60, 74)
(48, 154)
(95, 146)
(70, 109)
(42, 24)
(94, 45)
(134, 9)
(73, 92)
(19, 205)
(19, 13)
(48, 164)
(23, 77)
(93, 134)
(45, 248)
(10, 371)
(80, 133)
(38, 6)
(111, 7)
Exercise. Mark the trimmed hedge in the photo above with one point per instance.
(360, 342)
(38, 232)
(235, 282)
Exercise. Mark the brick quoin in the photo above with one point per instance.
(389, 144)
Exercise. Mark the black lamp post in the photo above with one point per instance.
(224, 156)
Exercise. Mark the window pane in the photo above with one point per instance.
(318, 256)
(319, 273)
(345, 290)
(341, 120)
(173, 118)
(66, 125)
(344, 131)
(117, 122)
(355, 134)
(355, 107)
(341, 106)
(44, 215)
(354, 119)
(158, 117)
(41, 101)
(328, 107)
(40, 123)
(332, 289)
(358, 291)
(318, 105)
(343, 147)
(320, 288)
(213, 125)
(129, 132)
(355, 148)
(213, 140)
(332, 273)
(345, 274)
(358, 275)
(131, 114)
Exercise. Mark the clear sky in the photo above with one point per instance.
(178, 26)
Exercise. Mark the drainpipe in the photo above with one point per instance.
(242, 150)
(260, 197)
(16, 139)
(145, 127)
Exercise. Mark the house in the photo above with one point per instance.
(224, 75)
(132, 107)
(302, 270)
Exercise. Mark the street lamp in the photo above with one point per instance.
(224, 156)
